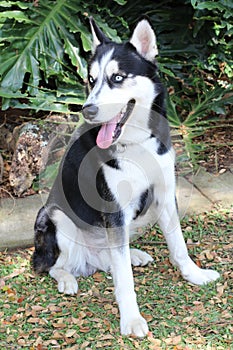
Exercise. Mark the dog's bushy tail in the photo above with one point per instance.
(46, 248)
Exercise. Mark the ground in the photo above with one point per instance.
(33, 315)
(218, 155)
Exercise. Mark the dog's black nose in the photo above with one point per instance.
(89, 111)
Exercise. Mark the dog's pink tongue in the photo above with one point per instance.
(104, 138)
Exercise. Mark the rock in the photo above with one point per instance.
(39, 143)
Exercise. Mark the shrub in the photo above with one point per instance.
(45, 46)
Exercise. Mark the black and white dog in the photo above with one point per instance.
(117, 175)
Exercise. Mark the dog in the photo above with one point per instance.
(116, 176)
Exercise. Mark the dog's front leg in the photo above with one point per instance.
(170, 225)
(130, 319)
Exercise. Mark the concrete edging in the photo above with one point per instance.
(201, 194)
(17, 218)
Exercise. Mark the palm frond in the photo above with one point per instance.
(40, 44)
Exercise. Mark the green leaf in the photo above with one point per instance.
(9, 94)
(17, 15)
(20, 4)
(41, 49)
(209, 5)
(173, 116)
(74, 55)
(165, 70)
(47, 177)
(86, 41)
(121, 2)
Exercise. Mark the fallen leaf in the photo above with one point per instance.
(38, 343)
(209, 255)
(70, 333)
(2, 283)
(59, 325)
(173, 340)
(220, 289)
(98, 277)
(54, 308)
(147, 317)
(37, 307)
(155, 341)
(33, 320)
(21, 299)
(57, 335)
(85, 344)
(84, 329)
(15, 273)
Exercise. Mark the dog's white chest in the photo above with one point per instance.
(140, 168)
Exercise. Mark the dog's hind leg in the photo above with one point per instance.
(71, 261)
(139, 258)
(46, 247)
(53, 256)
(170, 225)
(131, 321)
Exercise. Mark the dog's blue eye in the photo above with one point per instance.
(116, 78)
(91, 80)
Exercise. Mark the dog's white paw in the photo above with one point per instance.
(200, 276)
(68, 285)
(136, 326)
(139, 258)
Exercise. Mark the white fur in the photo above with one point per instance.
(139, 258)
(76, 252)
(136, 174)
(112, 68)
(144, 40)
(131, 320)
(170, 225)
(95, 40)
(66, 281)
(76, 247)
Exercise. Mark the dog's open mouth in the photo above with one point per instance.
(111, 131)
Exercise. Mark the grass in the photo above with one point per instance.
(33, 315)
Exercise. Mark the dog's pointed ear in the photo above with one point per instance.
(144, 40)
(98, 36)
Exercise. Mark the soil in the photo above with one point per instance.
(216, 142)
(218, 154)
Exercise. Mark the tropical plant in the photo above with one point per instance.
(45, 45)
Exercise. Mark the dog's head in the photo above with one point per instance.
(122, 84)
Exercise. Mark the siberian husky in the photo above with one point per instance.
(117, 175)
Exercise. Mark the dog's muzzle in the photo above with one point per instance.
(90, 111)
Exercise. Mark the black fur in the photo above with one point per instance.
(80, 177)
(46, 248)
(145, 202)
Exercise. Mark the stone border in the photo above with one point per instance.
(201, 194)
